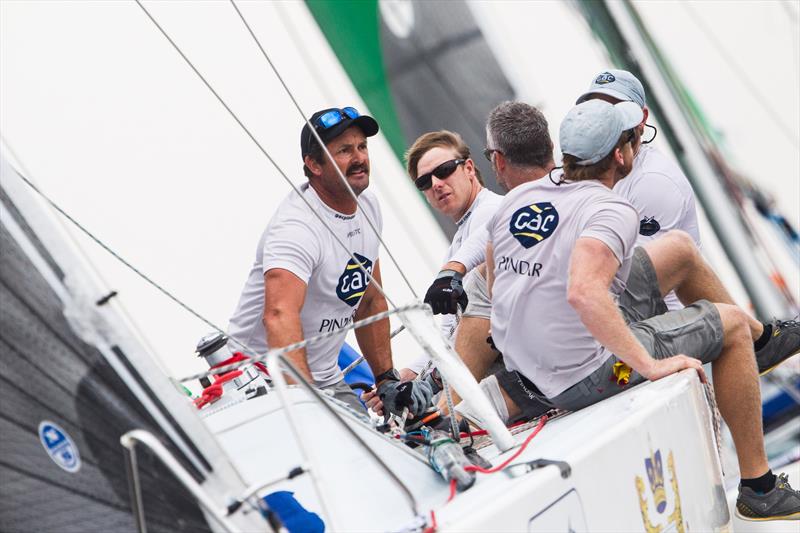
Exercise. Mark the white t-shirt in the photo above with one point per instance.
(471, 234)
(296, 240)
(664, 198)
(533, 234)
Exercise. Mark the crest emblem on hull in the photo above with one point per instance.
(661, 498)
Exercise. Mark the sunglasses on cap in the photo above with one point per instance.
(445, 170)
(335, 116)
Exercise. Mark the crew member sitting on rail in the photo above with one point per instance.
(315, 275)
(587, 314)
(664, 198)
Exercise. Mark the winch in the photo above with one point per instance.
(246, 382)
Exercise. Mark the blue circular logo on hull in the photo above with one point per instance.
(59, 446)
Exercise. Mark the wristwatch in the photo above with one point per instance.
(390, 375)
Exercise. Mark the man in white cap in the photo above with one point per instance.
(664, 198)
(561, 257)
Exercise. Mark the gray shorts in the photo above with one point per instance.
(695, 330)
(478, 293)
(343, 393)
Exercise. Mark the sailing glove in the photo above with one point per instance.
(446, 292)
(434, 380)
(415, 395)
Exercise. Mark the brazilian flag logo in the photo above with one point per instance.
(533, 223)
(353, 281)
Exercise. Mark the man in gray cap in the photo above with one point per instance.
(661, 193)
(565, 270)
(304, 282)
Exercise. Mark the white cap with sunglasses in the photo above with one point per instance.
(591, 129)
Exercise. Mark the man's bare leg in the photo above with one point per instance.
(680, 267)
(473, 349)
(737, 390)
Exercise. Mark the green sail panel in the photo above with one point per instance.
(419, 66)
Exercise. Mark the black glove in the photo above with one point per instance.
(490, 342)
(445, 292)
(415, 395)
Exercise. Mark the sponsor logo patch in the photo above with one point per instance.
(649, 226)
(59, 446)
(662, 521)
(353, 282)
(605, 77)
(533, 223)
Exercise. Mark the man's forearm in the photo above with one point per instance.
(284, 329)
(456, 266)
(602, 318)
(374, 339)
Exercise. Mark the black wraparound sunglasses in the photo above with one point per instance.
(443, 171)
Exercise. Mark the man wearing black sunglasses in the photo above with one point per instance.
(439, 163)
(304, 282)
(520, 150)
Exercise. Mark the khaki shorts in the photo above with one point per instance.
(695, 331)
(342, 392)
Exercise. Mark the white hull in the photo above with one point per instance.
(605, 445)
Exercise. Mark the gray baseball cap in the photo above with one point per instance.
(591, 129)
(620, 84)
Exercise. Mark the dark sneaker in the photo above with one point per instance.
(781, 503)
(782, 344)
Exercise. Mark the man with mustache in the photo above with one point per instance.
(304, 283)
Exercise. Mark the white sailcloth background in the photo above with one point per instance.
(102, 113)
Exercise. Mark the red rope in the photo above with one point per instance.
(475, 468)
(482, 432)
(452, 490)
(432, 527)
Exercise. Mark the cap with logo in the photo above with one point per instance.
(619, 84)
(591, 129)
(332, 122)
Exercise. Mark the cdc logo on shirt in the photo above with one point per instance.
(533, 223)
(353, 282)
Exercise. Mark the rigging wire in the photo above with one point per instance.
(316, 135)
(118, 257)
(266, 154)
(23, 171)
(742, 75)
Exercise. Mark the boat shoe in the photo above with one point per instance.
(782, 344)
(781, 503)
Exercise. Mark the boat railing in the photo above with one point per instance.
(418, 320)
(129, 441)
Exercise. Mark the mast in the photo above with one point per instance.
(629, 43)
